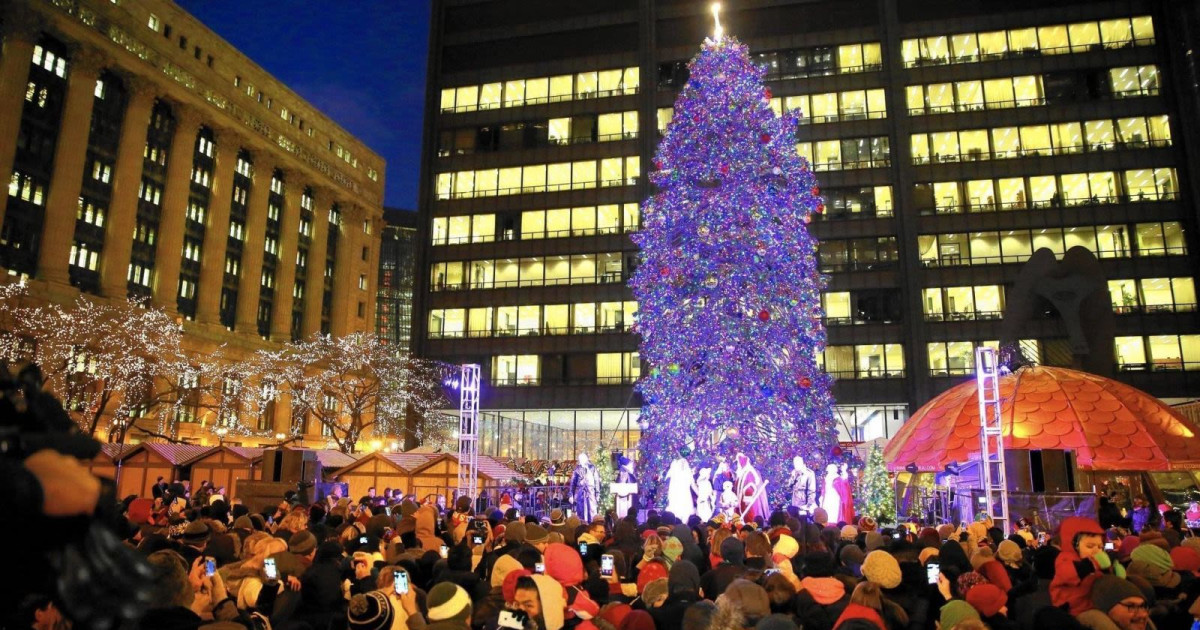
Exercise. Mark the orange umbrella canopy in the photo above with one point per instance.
(1107, 424)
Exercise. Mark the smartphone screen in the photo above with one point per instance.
(539, 568)
(476, 539)
(445, 551)
(1108, 546)
(210, 566)
(514, 619)
(606, 565)
(362, 540)
(269, 569)
(583, 549)
(932, 570)
(400, 582)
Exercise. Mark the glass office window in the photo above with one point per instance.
(506, 321)
(931, 301)
(631, 216)
(561, 87)
(533, 224)
(610, 171)
(528, 369)
(447, 100)
(936, 48)
(1130, 351)
(583, 174)
(1080, 237)
(1053, 39)
(1043, 189)
(1016, 245)
(485, 182)
(479, 322)
(1035, 140)
(1006, 142)
(556, 319)
(608, 219)
(1012, 193)
(507, 272)
(1143, 29)
(836, 306)
(537, 90)
(584, 318)
(1123, 294)
(489, 95)
(532, 272)
(981, 194)
(1084, 36)
(1184, 293)
(1112, 241)
(533, 178)
(1114, 33)
(850, 56)
(583, 268)
(609, 81)
(466, 98)
(1100, 134)
(509, 180)
(1023, 39)
(1155, 292)
(993, 43)
(1027, 90)
(973, 144)
(558, 222)
(824, 107)
(915, 98)
(557, 269)
(632, 79)
(999, 93)
(989, 299)
(964, 47)
(586, 84)
(514, 93)
(940, 97)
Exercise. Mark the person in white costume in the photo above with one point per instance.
(704, 495)
(679, 489)
(831, 501)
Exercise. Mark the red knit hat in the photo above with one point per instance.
(615, 614)
(995, 573)
(509, 588)
(988, 599)
(1186, 559)
(652, 571)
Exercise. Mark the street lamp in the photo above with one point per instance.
(221, 433)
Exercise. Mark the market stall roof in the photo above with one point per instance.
(1107, 424)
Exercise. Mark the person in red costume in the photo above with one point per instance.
(1082, 561)
(748, 484)
(845, 491)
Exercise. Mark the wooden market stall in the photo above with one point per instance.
(139, 467)
(224, 466)
(440, 475)
(105, 463)
(382, 470)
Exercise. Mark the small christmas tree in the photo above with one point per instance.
(876, 496)
(728, 290)
(603, 460)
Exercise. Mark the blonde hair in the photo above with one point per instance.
(295, 521)
(719, 537)
(867, 594)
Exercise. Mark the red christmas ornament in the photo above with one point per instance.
(837, 451)
(767, 93)
(763, 315)
(765, 138)
(820, 208)
(816, 190)
(664, 272)
(805, 382)
(724, 169)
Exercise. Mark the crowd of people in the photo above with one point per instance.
(387, 563)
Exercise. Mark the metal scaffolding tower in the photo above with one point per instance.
(468, 431)
(991, 436)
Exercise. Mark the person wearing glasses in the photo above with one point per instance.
(1121, 602)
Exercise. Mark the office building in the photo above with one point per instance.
(951, 140)
(397, 264)
(146, 157)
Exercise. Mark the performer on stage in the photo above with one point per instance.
(846, 493)
(625, 475)
(585, 489)
(679, 490)
(729, 500)
(749, 484)
(830, 499)
(803, 483)
(704, 495)
(722, 473)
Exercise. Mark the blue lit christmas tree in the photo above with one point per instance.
(728, 291)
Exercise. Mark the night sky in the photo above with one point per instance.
(361, 63)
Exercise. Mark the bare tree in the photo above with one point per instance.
(354, 385)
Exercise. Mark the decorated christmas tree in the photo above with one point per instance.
(728, 291)
(876, 496)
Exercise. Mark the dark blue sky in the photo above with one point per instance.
(361, 62)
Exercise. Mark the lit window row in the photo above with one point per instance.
(510, 136)
(846, 154)
(863, 362)
(955, 358)
(518, 92)
(963, 303)
(90, 213)
(535, 319)
(611, 368)
(201, 176)
(196, 212)
(833, 106)
(139, 274)
(798, 63)
(1029, 91)
(36, 94)
(534, 271)
(1046, 191)
(1153, 295)
(537, 178)
(972, 145)
(243, 166)
(537, 224)
(583, 221)
(1016, 246)
(204, 145)
(863, 306)
(1159, 353)
(150, 192)
(83, 257)
(49, 61)
(1057, 39)
(26, 188)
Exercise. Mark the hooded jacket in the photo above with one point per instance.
(858, 611)
(553, 600)
(426, 518)
(691, 551)
(683, 588)
(1073, 576)
(820, 602)
(565, 567)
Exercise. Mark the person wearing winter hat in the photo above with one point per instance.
(954, 612)
(1155, 565)
(849, 532)
(1009, 553)
(370, 611)
(992, 603)
(195, 540)
(866, 524)
(822, 597)
(449, 607)
(874, 540)
(1154, 537)
(820, 517)
(882, 568)
(537, 536)
(637, 620)
(654, 570)
(655, 593)
(982, 555)
(927, 554)
(1120, 601)
(996, 574)
(1080, 563)
(1186, 561)
(866, 603)
(733, 556)
(852, 557)
(786, 546)
(672, 549)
